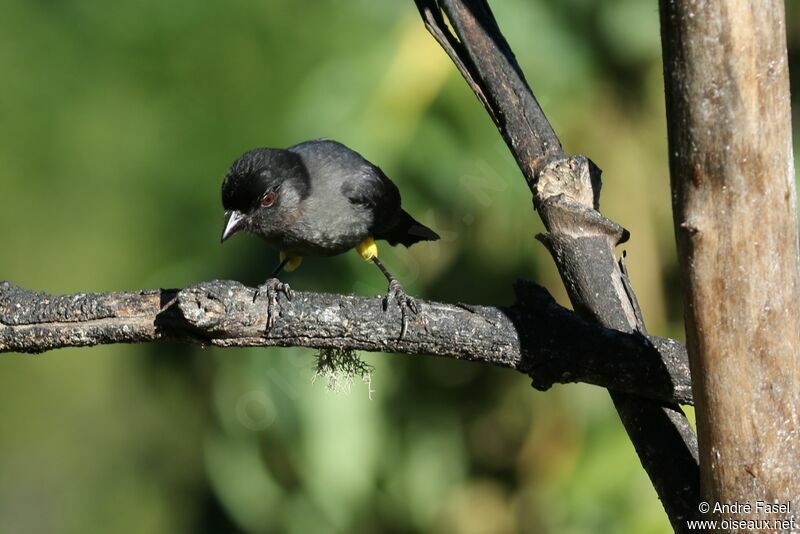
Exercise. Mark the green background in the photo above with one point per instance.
(118, 121)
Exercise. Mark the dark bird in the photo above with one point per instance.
(318, 198)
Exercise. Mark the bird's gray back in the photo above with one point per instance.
(332, 220)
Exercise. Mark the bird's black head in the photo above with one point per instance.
(260, 188)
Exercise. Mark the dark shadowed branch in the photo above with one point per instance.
(487, 63)
(535, 336)
(566, 192)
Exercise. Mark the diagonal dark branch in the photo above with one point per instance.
(535, 336)
(582, 242)
(512, 106)
(435, 24)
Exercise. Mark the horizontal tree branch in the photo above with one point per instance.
(535, 335)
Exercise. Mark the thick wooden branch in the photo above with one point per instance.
(726, 75)
(566, 192)
(535, 336)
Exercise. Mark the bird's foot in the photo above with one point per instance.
(270, 290)
(405, 302)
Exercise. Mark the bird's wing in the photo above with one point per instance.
(372, 189)
(360, 182)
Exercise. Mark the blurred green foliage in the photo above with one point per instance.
(118, 122)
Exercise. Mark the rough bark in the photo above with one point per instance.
(535, 336)
(566, 192)
(734, 205)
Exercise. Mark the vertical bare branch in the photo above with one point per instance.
(734, 204)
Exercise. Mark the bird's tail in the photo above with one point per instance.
(408, 231)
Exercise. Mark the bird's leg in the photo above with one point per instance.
(398, 294)
(271, 288)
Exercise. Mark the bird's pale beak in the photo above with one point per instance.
(234, 220)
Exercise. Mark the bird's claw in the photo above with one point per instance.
(405, 302)
(270, 289)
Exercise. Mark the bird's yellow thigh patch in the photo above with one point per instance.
(293, 263)
(367, 249)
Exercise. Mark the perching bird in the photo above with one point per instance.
(318, 198)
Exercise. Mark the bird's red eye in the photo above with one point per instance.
(268, 199)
